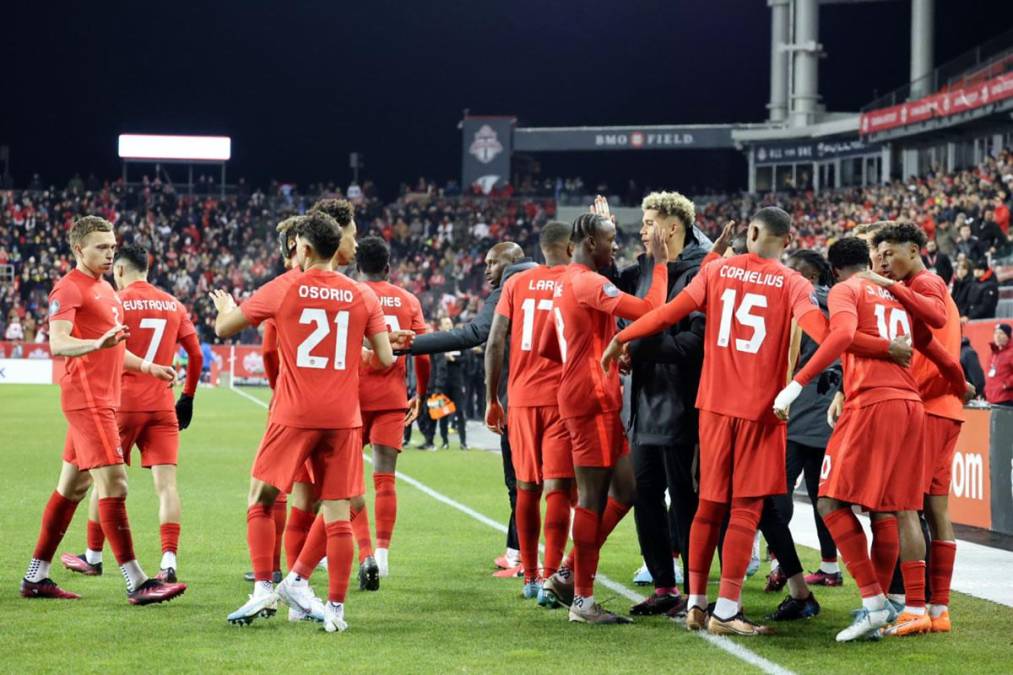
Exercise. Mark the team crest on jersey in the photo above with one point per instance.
(54, 307)
(610, 290)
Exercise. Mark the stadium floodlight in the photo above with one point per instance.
(175, 148)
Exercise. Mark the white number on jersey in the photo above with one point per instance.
(158, 326)
(743, 317)
(898, 323)
(559, 333)
(304, 359)
(528, 308)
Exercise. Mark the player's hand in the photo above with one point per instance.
(223, 301)
(900, 350)
(725, 240)
(876, 278)
(414, 410)
(611, 354)
(401, 339)
(785, 398)
(494, 417)
(601, 208)
(112, 337)
(184, 410)
(625, 362)
(969, 392)
(656, 247)
(163, 373)
(835, 410)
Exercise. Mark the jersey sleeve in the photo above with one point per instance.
(697, 288)
(64, 302)
(186, 327)
(506, 299)
(375, 323)
(842, 300)
(594, 290)
(801, 296)
(265, 301)
(419, 324)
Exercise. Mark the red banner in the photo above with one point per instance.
(942, 104)
(971, 482)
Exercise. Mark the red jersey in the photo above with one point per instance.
(322, 318)
(583, 303)
(157, 323)
(92, 380)
(387, 389)
(526, 301)
(867, 380)
(932, 384)
(749, 302)
(269, 342)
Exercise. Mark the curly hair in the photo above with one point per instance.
(136, 256)
(848, 252)
(340, 210)
(321, 231)
(901, 233)
(286, 235)
(671, 204)
(818, 263)
(373, 255)
(85, 225)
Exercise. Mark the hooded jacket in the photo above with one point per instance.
(808, 421)
(999, 378)
(983, 297)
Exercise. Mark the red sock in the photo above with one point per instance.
(112, 513)
(96, 539)
(585, 549)
(313, 550)
(941, 570)
(278, 513)
(296, 530)
(913, 572)
(384, 507)
(885, 550)
(703, 540)
(738, 547)
(360, 526)
(528, 516)
(339, 559)
(557, 528)
(56, 519)
(170, 537)
(850, 539)
(614, 512)
(260, 539)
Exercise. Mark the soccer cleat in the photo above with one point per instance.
(80, 564)
(941, 623)
(737, 625)
(791, 609)
(167, 575)
(532, 589)
(594, 614)
(658, 604)
(696, 618)
(821, 578)
(445, 446)
(369, 575)
(642, 577)
(263, 603)
(509, 573)
(775, 581)
(334, 617)
(381, 555)
(425, 446)
(508, 560)
(557, 590)
(866, 624)
(153, 591)
(45, 588)
(754, 560)
(302, 601)
(896, 607)
(276, 576)
(678, 612)
(909, 624)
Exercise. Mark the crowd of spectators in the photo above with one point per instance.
(439, 236)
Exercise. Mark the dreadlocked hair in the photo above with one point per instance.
(585, 225)
(818, 261)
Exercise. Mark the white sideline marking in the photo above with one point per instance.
(723, 643)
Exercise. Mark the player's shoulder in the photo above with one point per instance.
(930, 281)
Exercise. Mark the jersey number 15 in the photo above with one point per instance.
(744, 317)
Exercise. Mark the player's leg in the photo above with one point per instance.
(302, 513)
(525, 429)
(684, 497)
(279, 515)
(941, 436)
(88, 563)
(744, 517)
(369, 572)
(650, 514)
(829, 572)
(885, 548)
(800, 602)
(510, 560)
(169, 517)
(336, 516)
(71, 488)
(592, 494)
(779, 509)
(385, 502)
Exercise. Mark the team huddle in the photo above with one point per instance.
(335, 352)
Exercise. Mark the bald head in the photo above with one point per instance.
(500, 257)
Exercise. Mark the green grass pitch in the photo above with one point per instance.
(440, 611)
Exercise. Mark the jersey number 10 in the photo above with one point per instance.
(304, 359)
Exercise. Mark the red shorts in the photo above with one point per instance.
(334, 454)
(304, 474)
(875, 457)
(383, 427)
(941, 434)
(597, 440)
(741, 458)
(93, 439)
(539, 443)
(155, 433)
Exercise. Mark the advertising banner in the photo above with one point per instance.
(1002, 470)
(970, 487)
(26, 371)
(559, 139)
(811, 151)
(487, 146)
(24, 350)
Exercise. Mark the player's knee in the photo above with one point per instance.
(825, 506)
(357, 503)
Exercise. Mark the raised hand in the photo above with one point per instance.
(601, 208)
(223, 301)
(727, 237)
(112, 337)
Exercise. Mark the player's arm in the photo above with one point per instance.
(62, 343)
(272, 363)
(688, 300)
(462, 338)
(194, 365)
(947, 365)
(135, 363)
(664, 347)
(382, 355)
(923, 303)
(495, 349)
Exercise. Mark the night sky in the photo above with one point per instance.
(298, 85)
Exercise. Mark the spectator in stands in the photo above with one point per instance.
(984, 293)
(15, 332)
(969, 245)
(999, 379)
(971, 364)
(990, 234)
(937, 261)
(961, 288)
(1001, 213)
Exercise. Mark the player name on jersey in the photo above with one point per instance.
(150, 305)
(752, 276)
(389, 301)
(325, 293)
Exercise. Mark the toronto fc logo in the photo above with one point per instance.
(486, 145)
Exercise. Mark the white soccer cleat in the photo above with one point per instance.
(263, 603)
(297, 595)
(380, 555)
(334, 617)
(322, 565)
(865, 624)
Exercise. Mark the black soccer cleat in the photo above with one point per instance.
(369, 575)
(658, 604)
(791, 609)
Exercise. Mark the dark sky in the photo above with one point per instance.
(298, 85)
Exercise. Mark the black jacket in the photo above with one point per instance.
(971, 364)
(962, 294)
(983, 297)
(939, 263)
(659, 394)
(808, 421)
(448, 375)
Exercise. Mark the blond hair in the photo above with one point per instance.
(288, 223)
(85, 225)
(671, 204)
(340, 210)
(867, 229)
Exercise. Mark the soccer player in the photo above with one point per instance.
(749, 301)
(322, 318)
(386, 409)
(157, 322)
(538, 436)
(585, 307)
(85, 325)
